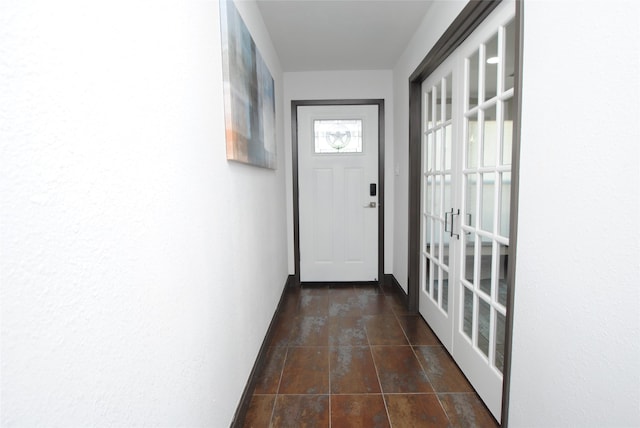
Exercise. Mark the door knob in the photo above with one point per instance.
(370, 205)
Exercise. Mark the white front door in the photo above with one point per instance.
(338, 192)
(467, 134)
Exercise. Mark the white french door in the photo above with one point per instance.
(338, 192)
(466, 167)
(438, 263)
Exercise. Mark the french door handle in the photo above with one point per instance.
(451, 234)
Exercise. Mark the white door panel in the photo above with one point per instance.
(337, 161)
(355, 232)
(322, 212)
(438, 191)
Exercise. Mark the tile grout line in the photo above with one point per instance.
(413, 350)
(384, 401)
(284, 362)
(387, 309)
(434, 390)
(329, 352)
(421, 366)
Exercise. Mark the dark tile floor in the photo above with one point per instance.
(353, 357)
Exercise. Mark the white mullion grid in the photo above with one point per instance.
(426, 149)
(495, 308)
(439, 124)
(497, 187)
(447, 151)
(424, 283)
(425, 110)
(463, 283)
(506, 94)
(497, 240)
(502, 96)
(499, 308)
(436, 286)
(477, 260)
(465, 84)
(423, 224)
(461, 313)
(423, 269)
(500, 172)
(441, 109)
(423, 233)
(476, 318)
(423, 202)
(483, 233)
(424, 193)
(425, 187)
(500, 132)
(437, 168)
(493, 236)
(439, 87)
(494, 239)
(484, 170)
(502, 57)
(492, 298)
(433, 265)
(426, 156)
(443, 268)
(443, 99)
(464, 280)
(489, 103)
(478, 235)
(480, 135)
(482, 51)
(471, 229)
(425, 256)
(432, 109)
(444, 153)
(492, 362)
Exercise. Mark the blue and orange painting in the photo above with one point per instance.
(248, 94)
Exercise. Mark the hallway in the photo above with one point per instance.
(353, 357)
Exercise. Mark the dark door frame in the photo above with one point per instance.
(296, 195)
(465, 23)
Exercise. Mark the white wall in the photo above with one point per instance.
(367, 84)
(434, 24)
(576, 350)
(137, 281)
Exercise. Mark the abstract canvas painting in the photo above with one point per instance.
(248, 94)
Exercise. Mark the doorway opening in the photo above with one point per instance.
(434, 274)
(372, 194)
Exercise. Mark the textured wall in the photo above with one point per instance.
(576, 353)
(436, 21)
(139, 269)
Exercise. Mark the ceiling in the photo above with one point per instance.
(341, 34)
